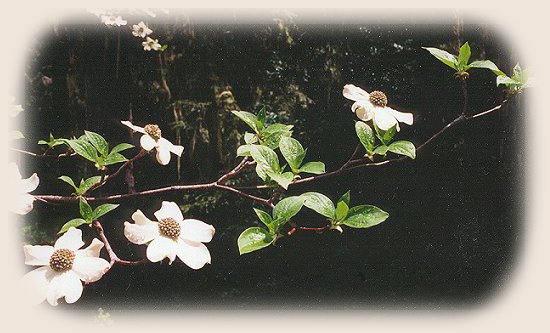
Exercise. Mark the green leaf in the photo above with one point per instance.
(463, 56)
(253, 239)
(264, 217)
(163, 48)
(365, 135)
(316, 168)
(250, 119)
(292, 151)
(385, 136)
(98, 142)
(287, 208)
(346, 197)
(381, 150)
(102, 210)
(488, 64)
(84, 149)
(271, 136)
(265, 157)
(250, 138)
(85, 185)
(444, 56)
(120, 147)
(341, 210)
(114, 158)
(320, 203)
(505, 80)
(72, 223)
(69, 181)
(261, 172)
(85, 210)
(261, 115)
(243, 150)
(365, 216)
(283, 179)
(403, 148)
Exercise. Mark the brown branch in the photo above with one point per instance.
(350, 165)
(223, 179)
(105, 179)
(65, 154)
(113, 258)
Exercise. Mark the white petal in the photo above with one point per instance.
(355, 93)
(163, 155)
(383, 119)
(28, 185)
(147, 142)
(362, 112)
(21, 203)
(91, 250)
(34, 285)
(133, 127)
(66, 284)
(38, 255)
(403, 117)
(141, 233)
(193, 254)
(90, 269)
(171, 147)
(169, 209)
(195, 230)
(160, 248)
(71, 240)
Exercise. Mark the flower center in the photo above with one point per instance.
(169, 228)
(378, 98)
(62, 260)
(153, 131)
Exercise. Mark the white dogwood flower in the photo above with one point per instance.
(113, 20)
(151, 44)
(374, 106)
(141, 30)
(64, 266)
(152, 139)
(21, 200)
(171, 236)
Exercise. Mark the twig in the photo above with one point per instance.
(105, 179)
(113, 258)
(244, 162)
(65, 154)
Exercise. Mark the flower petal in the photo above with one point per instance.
(195, 230)
(28, 185)
(91, 250)
(160, 248)
(66, 284)
(90, 269)
(193, 254)
(403, 117)
(21, 203)
(355, 93)
(133, 127)
(361, 112)
(383, 119)
(34, 285)
(147, 142)
(38, 255)
(163, 155)
(71, 240)
(169, 209)
(171, 147)
(141, 233)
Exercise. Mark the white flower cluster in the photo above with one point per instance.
(139, 30)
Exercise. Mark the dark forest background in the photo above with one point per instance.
(454, 220)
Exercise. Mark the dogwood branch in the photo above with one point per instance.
(351, 164)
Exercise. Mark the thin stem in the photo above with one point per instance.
(113, 258)
(244, 162)
(105, 179)
(65, 154)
